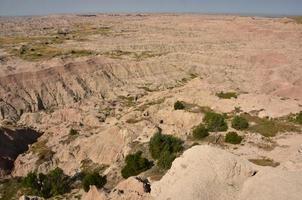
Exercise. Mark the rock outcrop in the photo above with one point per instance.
(72, 82)
(130, 189)
(205, 172)
(14, 141)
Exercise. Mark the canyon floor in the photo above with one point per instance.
(84, 91)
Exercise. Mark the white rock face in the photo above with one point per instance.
(208, 173)
(203, 172)
(94, 194)
(273, 184)
(130, 189)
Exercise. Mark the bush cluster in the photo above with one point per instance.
(135, 164)
(165, 160)
(240, 123)
(73, 132)
(164, 149)
(227, 95)
(215, 122)
(200, 132)
(93, 178)
(298, 118)
(178, 105)
(49, 185)
(233, 138)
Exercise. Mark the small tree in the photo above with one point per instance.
(178, 105)
(164, 148)
(240, 123)
(233, 138)
(49, 185)
(95, 179)
(160, 143)
(200, 132)
(215, 122)
(135, 164)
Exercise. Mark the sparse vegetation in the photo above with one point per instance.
(215, 122)
(36, 48)
(165, 160)
(194, 108)
(240, 123)
(152, 103)
(237, 110)
(265, 162)
(127, 100)
(227, 95)
(270, 127)
(135, 164)
(200, 132)
(164, 148)
(43, 151)
(298, 118)
(52, 184)
(138, 56)
(133, 121)
(41, 51)
(9, 188)
(117, 54)
(73, 132)
(93, 178)
(233, 138)
(88, 166)
(298, 19)
(178, 105)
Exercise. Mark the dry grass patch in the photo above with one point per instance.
(194, 108)
(270, 127)
(10, 188)
(227, 95)
(43, 152)
(133, 121)
(298, 19)
(144, 106)
(89, 166)
(82, 31)
(128, 101)
(137, 56)
(265, 162)
(37, 52)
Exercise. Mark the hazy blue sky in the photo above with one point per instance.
(38, 7)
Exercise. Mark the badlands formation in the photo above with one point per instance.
(82, 92)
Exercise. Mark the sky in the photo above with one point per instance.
(43, 7)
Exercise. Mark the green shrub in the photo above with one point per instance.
(164, 148)
(178, 105)
(215, 122)
(165, 160)
(10, 188)
(160, 143)
(227, 95)
(135, 164)
(49, 185)
(73, 132)
(240, 123)
(233, 138)
(298, 118)
(200, 132)
(95, 179)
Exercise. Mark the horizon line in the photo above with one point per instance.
(242, 14)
